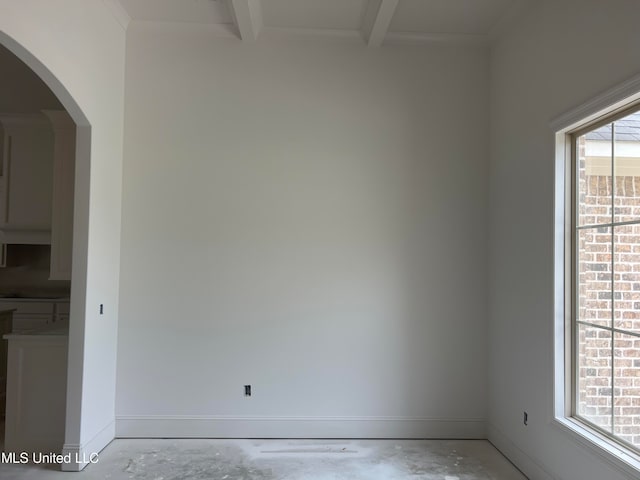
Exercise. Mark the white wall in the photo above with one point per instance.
(306, 216)
(77, 47)
(560, 55)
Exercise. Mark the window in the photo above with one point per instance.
(604, 277)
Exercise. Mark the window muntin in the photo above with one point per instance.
(606, 277)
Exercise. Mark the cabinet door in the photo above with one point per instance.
(36, 393)
(27, 170)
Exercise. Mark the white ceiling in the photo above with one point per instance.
(192, 11)
(376, 20)
(332, 14)
(448, 16)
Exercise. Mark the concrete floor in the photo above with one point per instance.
(198, 459)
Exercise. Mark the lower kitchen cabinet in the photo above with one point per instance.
(5, 327)
(36, 392)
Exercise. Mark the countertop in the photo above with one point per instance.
(57, 331)
(34, 299)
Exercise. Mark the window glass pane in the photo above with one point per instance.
(627, 168)
(594, 275)
(606, 289)
(627, 388)
(594, 375)
(626, 278)
(594, 165)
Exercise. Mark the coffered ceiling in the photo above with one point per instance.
(376, 21)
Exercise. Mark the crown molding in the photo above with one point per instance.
(224, 30)
(392, 38)
(229, 30)
(286, 32)
(118, 12)
(416, 38)
(605, 102)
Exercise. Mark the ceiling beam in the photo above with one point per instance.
(247, 15)
(377, 20)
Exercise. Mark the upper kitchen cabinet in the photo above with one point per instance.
(64, 148)
(37, 172)
(26, 170)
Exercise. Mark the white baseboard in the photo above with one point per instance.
(82, 454)
(171, 426)
(527, 465)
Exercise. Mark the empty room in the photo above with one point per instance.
(320, 239)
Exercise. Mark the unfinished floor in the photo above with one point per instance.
(286, 460)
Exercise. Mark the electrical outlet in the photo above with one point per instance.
(247, 390)
(525, 418)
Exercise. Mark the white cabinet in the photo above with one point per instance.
(5, 327)
(31, 315)
(36, 392)
(37, 173)
(26, 171)
(64, 153)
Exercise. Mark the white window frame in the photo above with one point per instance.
(608, 103)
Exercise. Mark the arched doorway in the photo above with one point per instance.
(73, 421)
(77, 47)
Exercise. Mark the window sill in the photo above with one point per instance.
(621, 458)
